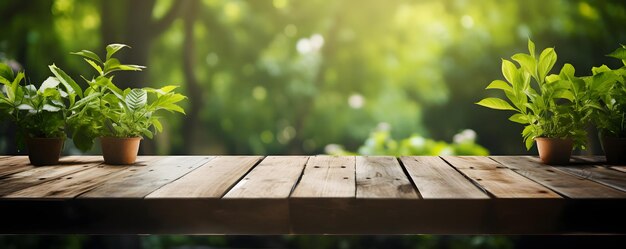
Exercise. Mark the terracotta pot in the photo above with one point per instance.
(116, 150)
(44, 151)
(554, 151)
(615, 150)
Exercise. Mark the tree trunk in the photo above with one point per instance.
(194, 92)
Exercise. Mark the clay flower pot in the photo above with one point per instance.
(117, 150)
(44, 151)
(614, 149)
(554, 151)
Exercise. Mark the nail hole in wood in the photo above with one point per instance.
(478, 179)
(343, 167)
(471, 167)
(368, 178)
(316, 167)
(345, 177)
(151, 170)
(43, 178)
(549, 170)
(542, 192)
(68, 178)
(246, 178)
(397, 179)
(85, 166)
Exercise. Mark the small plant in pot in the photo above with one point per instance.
(553, 108)
(610, 114)
(120, 118)
(38, 113)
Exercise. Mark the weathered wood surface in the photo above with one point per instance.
(312, 195)
(569, 185)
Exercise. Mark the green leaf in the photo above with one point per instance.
(510, 72)
(157, 124)
(546, 62)
(495, 103)
(136, 99)
(13, 88)
(69, 84)
(529, 142)
(167, 89)
(601, 69)
(6, 72)
(619, 53)
(531, 48)
(50, 82)
(113, 48)
(564, 94)
(94, 65)
(519, 118)
(88, 55)
(172, 107)
(567, 72)
(527, 62)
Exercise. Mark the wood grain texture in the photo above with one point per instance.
(497, 179)
(14, 164)
(211, 180)
(599, 174)
(143, 180)
(71, 185)
(619, 168)
(563, 183)
(266, 188)
(382, 177)
(435, 179)
(327, 177)
(274, 177)
(35, 176)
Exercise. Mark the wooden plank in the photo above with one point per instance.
(603, 175)
(588, 159)
(563, 183)
(274, 177)
(145, 180)
(211, 180)
(598, 160)
(14, 164)
(328, 177)
(435, 179)
(382, 177)
(619, 168)
(497, 179)
(265, 188)
(39, 175)
(71, 185)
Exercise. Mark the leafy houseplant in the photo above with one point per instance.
(554, 108)
(119, 117)
(39, 114)
(610, 114)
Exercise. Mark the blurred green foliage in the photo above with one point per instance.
(290, 77)
(380, 142)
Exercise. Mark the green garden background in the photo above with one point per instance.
(315, 76)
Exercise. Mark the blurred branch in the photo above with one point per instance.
(159, 26)
(194, 91)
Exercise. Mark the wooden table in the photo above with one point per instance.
(312, 195)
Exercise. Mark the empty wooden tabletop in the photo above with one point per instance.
(313, 195)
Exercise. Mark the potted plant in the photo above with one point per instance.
(553, 108)
(38, 113)
(120, 118)
(610, 114)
